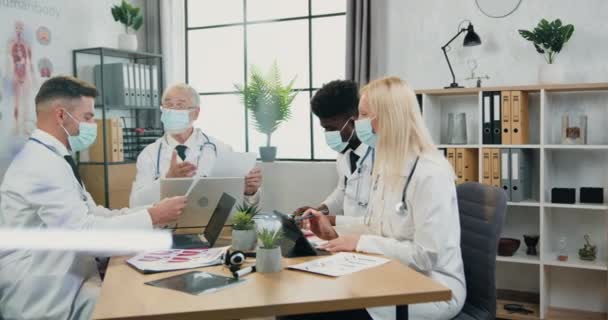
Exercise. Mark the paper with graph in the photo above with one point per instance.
(340, 264)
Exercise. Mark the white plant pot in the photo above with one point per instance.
(127, 42)
(244, 240)
(550, 73)
(268, 260)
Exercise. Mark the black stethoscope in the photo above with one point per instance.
(201, 148)
(53, 150)
(400, 207)
(369, 151)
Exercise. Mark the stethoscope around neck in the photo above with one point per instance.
(370, 151)
(400, 207)
(201, 148)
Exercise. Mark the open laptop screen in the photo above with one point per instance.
(218, 218)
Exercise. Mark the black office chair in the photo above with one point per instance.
(482, 211)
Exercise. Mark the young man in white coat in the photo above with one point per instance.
(184, 151)
(336, 106)
(42, 190)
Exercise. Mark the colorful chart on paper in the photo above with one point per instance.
(177, 259)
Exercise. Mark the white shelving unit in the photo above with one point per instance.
(574, 284)
(445, 146)
(524, 204)
(511, 146)
(520, 258)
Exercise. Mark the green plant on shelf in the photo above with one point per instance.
(549, 38)
(589, 251)
(128, 15)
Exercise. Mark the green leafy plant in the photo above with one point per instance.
(269, 237)
(251, 210)
(549, 38)
(269, 232)
(128, 15)
(242, 221)
(268, 99)
(243, 218)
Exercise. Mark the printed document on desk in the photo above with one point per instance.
(177, 259)
(233, 164)
(340, 264)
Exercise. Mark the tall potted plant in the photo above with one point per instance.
(268, 254)
(131, 18)
(549, 39)
(243, 228)
(269, 101)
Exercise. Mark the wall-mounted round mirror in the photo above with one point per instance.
(497, 9)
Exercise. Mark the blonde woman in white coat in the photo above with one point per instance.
(413, 216)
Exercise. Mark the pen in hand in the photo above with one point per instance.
(300, 218)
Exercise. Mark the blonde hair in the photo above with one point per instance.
(401, 131)
(185, 88)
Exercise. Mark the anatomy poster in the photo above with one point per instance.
(21, 76)
(36, 42)
(28, 53)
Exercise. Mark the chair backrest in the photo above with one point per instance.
(482, 211)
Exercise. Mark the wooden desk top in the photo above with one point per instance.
(124, 294)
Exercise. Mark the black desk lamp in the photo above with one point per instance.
(470, 39)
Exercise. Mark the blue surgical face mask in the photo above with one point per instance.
(365, 132)
(334, 139)
(87, 133)
(175, 121)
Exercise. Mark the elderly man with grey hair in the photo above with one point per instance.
(183, 151)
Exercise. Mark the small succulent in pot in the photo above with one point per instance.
(588, 251)
(243, 228)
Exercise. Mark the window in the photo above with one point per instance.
(307, 38)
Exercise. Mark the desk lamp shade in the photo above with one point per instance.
(471, 38)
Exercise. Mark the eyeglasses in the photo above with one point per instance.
(178, 107)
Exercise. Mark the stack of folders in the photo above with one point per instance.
(114, 142)
(464, 162)
(127, 85)
(510, 169)
(491, 167)
(136, 139)
(505, 117)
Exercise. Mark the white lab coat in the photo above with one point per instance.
(349, 201)
(425, 237)
(202, 152)
(39, 191)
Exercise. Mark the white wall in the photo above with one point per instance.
(289, 185)
(414, 31)
(73, 25)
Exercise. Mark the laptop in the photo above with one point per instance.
(211, 202)
(294, 243)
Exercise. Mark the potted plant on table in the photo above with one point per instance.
(549, 39)
(129, 16)
(269, 102)
(243, 228)
(268, 254)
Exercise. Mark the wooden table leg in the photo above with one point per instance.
(402, 312)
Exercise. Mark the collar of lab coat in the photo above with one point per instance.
(361, 150)
(193, 142)
(409, 164)
(428, 157)
(343, 159)
(50, 141)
